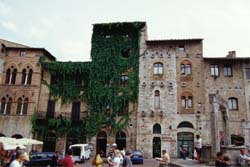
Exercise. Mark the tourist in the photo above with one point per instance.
(21, 156)
(117, 160)
(111, 155)
(54, 159)
(164, 160)
(126, 160)
(198, 147)
(97, 161)
(219, 159)
(226, 160)
(68, 160)
(243, 160)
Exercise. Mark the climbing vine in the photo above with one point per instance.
(114, 53)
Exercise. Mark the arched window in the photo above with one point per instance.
(157, 129)
(233, 103)
(24, 76)
(186, 68)
(8, 109)
(8, 75)
(158, 69)
(185, 124)
(13, 78)
(17, 136)
(3, 106)
(22, 106)
(29, 76)
(187, 101)
(157, 99)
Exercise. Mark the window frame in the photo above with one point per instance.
(228, 71)
(233, 103)
(213, 71)
(158, 68)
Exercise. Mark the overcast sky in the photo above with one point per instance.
(64, 27)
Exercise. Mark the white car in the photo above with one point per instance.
(80, 152)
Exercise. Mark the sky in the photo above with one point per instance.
(64, 27)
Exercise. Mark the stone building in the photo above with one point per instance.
(180, 94)
(20, 87)
(171, 80)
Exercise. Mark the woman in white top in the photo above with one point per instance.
(117, 159)
(198, 146)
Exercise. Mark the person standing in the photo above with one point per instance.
(117, 160)
(198, 147)
(99, 160)
(111, 155)
(126, 160)
(67, 160)
(165, 160)
(21, 156)
(54, 159)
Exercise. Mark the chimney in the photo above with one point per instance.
(231, 54)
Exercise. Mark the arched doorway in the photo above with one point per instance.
(185, 139)
(156, 147)
(101, 143)
(49, 142)
(17, 136)
(120, 140)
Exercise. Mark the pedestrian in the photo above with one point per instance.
(68, 160)
(54, 159)
(219, 159)
(126, 160)
(243, 160)
(98, 160)
(164, 160)
(198, 147)
(117, 160)
(111, 155)
(184, 152)
(21, 156)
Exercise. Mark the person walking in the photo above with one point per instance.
(117, 160)
(126, 160)
(67, 160)
(21, 156)
(111, 155)
(198, 147)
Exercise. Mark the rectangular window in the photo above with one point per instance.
(124, 80)
(247, 73)
(75, 113)
(183, 102)
(214, 70)
(188, 69)
(182, 69)
(157, 102)
(228, 71)
(190, 102)
(22, 53)
(50, 109)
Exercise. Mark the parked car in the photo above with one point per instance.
(42, 159)
(137, 157)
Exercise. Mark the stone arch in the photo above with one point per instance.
(156, 128)
(185, 124)
(11, 65)
(120, 140)
(101, 143)
(23, 94)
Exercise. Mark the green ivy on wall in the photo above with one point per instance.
(115, 52)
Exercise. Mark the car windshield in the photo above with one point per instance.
(76, 150)
(137, 152)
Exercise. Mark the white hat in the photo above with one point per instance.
(114, 145)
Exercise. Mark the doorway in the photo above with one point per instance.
(156, 147)
(101, 143)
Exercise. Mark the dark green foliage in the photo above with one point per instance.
(115, 52)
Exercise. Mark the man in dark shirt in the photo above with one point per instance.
(126, 161)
